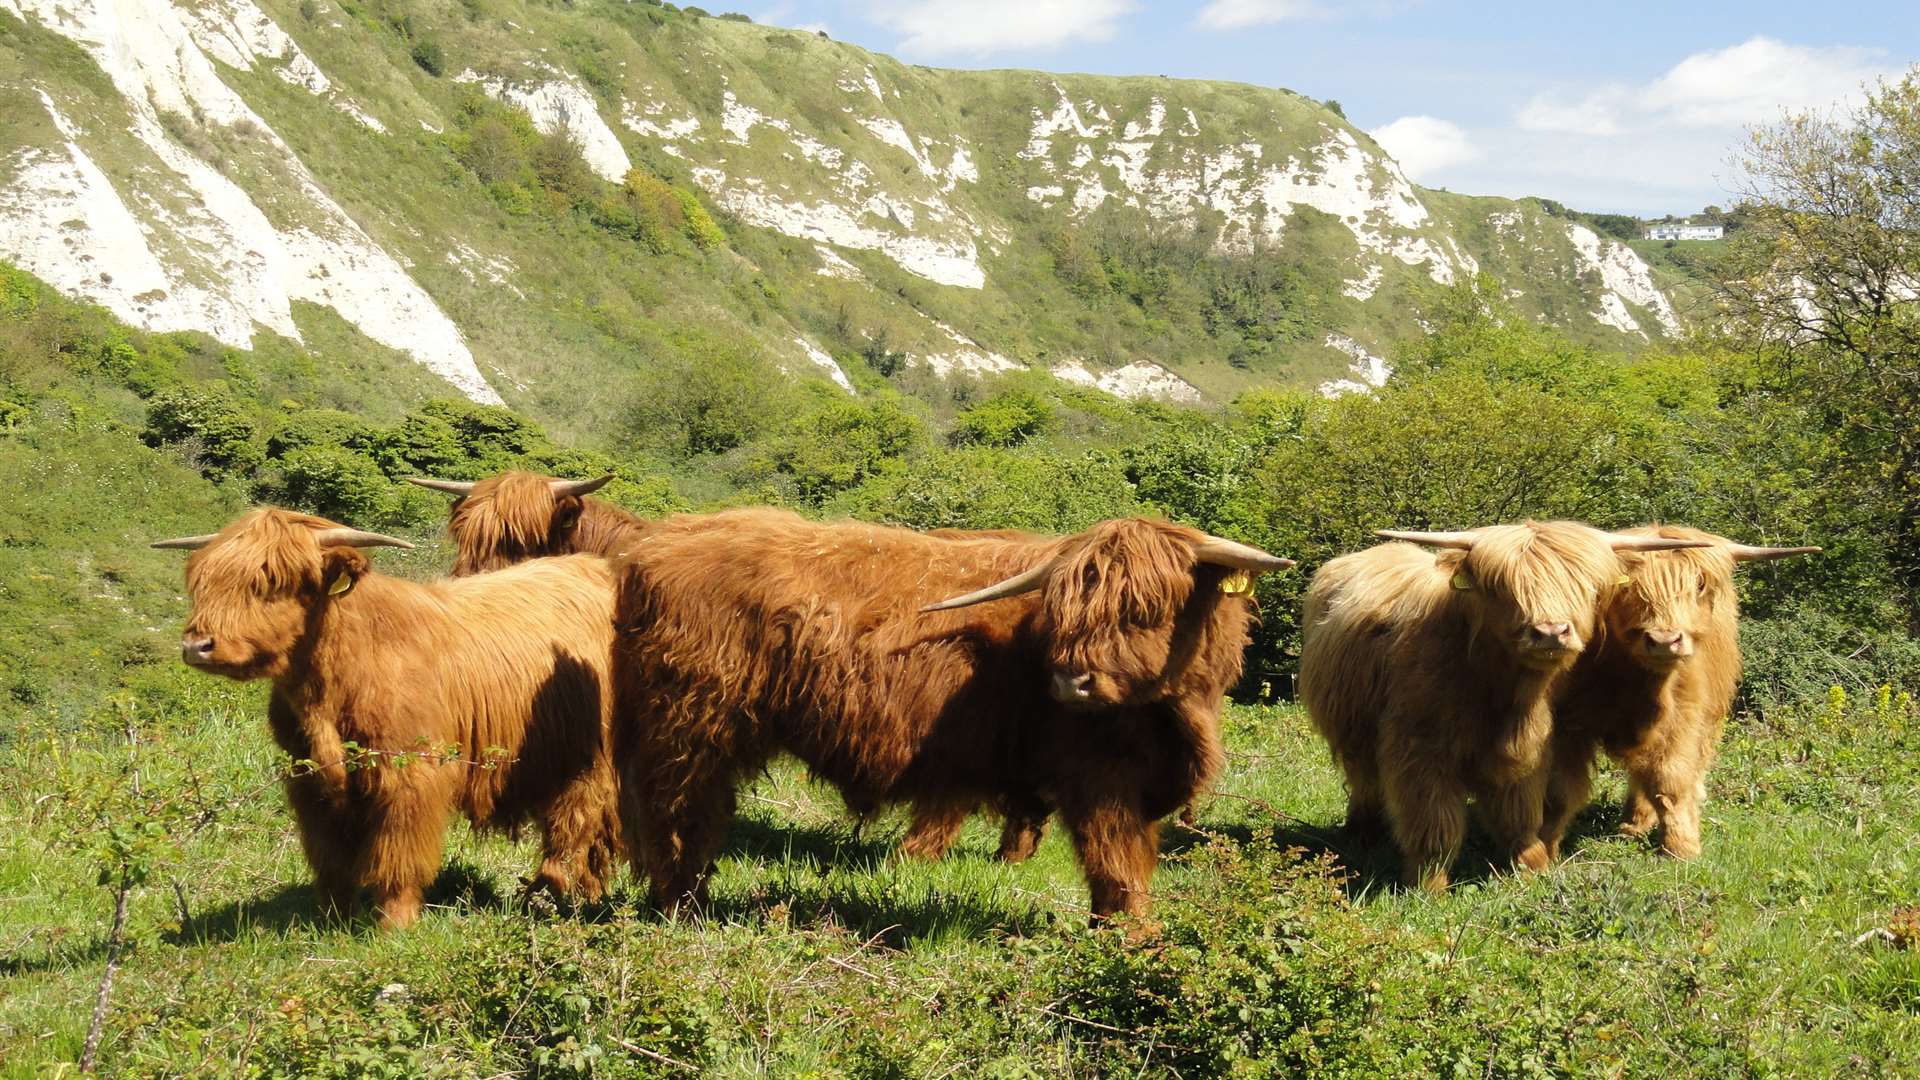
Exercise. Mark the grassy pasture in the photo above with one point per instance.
(824, 956)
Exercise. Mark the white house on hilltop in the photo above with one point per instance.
(1686, 231)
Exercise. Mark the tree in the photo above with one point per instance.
(1827, 274)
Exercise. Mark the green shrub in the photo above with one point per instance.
(430, 56)
(335, 483)
(710, 395)
(842, 443)
(1006, 419)
(208, 426)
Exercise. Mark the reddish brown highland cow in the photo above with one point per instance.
(1431, 677)
(1654, 691)
(752, 632)
(513, 516)
(487, 695)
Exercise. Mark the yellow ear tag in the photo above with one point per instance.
(1461, 581)
(1623, 580)
(1238, 583)
(340, 585)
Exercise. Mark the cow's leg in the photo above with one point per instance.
(1568, 789)
(1515, 816)
(676, 820)
(1118, 849)
(576, 838)
(1638, 817)
(936, 825)
(406, 828)
(331, 836)
(1674, 786)
(1427, 812)
(1366, 805)
(1024, 828)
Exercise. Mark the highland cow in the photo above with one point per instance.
(407, 701)
(1654, 691)
(755, 631)
(1431, 677)
(513, 516)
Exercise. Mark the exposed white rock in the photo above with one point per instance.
(1364, 286)
(359, 114)
(495, 270)
(240, 35)
(891, 132)
(946, 261)
(1140, 379)
(820, 358)
(1370, 372)
(670, 129)
(1626, 277)
(1044, 194)
(969, 357)
(560, 104)
(62, 220)
(833, 266)
(220, 253)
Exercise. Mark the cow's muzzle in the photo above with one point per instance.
(1072, 689)
(196, 651)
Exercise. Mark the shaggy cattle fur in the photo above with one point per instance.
(1654, 691)
(1097, 692)
(514, 516)
(487, 695)
(1431, 678)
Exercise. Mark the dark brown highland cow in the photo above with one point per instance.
(1654, 691)
(1431, 676)
(487, 695)
(513, 516)
(751, 632)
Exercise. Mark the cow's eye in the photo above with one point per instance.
(1090, 577)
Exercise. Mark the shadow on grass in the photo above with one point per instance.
(460, 886)
(828, 874)
(1372, 861)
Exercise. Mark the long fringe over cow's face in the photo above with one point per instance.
(1535, 588)
(510, 518)
(1124, 607)
(1674, 599)
(254, 586)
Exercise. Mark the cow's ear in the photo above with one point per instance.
(341, 569)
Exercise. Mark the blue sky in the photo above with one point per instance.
(1627, 107)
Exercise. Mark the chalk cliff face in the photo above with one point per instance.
(235, 167)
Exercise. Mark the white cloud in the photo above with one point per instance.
(979, 27)
(1424, 145)
(1743, 84)
(1234, 14)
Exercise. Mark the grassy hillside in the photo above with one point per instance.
(403, 173)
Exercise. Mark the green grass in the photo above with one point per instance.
(825, 956)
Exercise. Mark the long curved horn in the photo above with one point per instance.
(1223, 552)
(1024, 581)
(1620, 542)
(357, 538)
(451, 487)
(186, 542)
(1749, 553)
(1461, 540)
(579, 487)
